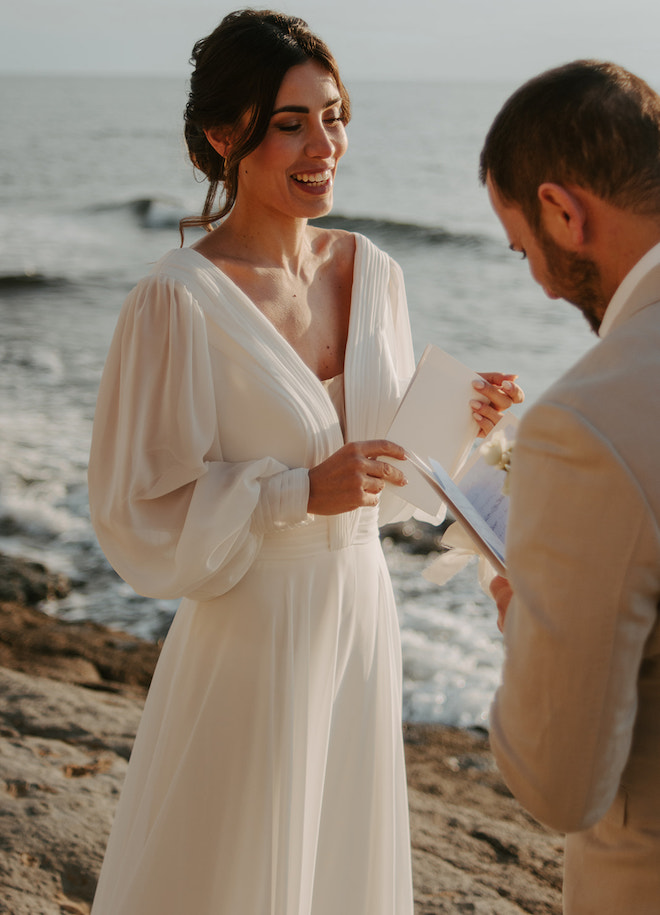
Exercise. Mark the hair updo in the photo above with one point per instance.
(238, 69)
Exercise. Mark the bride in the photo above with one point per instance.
(236, 464)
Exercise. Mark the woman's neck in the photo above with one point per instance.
(264, 241)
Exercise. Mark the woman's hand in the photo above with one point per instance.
(502, 392)
(353, 477)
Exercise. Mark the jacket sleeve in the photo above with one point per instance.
(583, 561)
(172, 521)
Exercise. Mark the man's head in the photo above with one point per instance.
(587, 123)
(572, 152)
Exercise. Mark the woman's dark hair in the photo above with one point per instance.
(588, 123)
(238, 70)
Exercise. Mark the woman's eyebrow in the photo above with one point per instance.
(302, 109)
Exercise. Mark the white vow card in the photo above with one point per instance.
(434, 420)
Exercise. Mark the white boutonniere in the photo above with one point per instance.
(497, 452)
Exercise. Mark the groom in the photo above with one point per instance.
(572, 167)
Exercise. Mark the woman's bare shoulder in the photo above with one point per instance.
(334, 246)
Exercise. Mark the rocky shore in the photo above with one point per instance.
(72, 695)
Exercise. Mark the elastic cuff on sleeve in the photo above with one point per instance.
(283, 501)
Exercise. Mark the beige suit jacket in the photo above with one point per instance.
(575, 724)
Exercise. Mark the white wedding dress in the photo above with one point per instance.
(267, 776)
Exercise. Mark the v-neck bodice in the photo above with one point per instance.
(335, 390)
(256, 371)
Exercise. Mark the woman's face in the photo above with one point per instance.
(292, 171)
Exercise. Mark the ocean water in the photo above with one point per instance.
(93, 181)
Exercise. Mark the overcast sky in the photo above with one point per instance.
(373, 39)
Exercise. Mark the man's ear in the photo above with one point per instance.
(563, 215)
(219, 139)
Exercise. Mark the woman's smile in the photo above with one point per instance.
(314, 182)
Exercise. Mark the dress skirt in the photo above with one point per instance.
(268, 777)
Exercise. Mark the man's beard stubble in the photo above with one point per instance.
(576, 279)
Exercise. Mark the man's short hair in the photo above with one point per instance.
(588, 123)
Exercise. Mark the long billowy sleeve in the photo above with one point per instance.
(172, 521)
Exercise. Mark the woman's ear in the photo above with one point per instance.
(219, 140)
(563, 214)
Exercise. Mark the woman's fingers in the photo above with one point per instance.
(377, 469)
(501, 390)
(514, 390)
(353, 476)
(486, 416)
(381, 447)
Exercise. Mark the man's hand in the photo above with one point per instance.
(501, 591)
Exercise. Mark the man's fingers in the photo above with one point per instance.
(498, 585)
